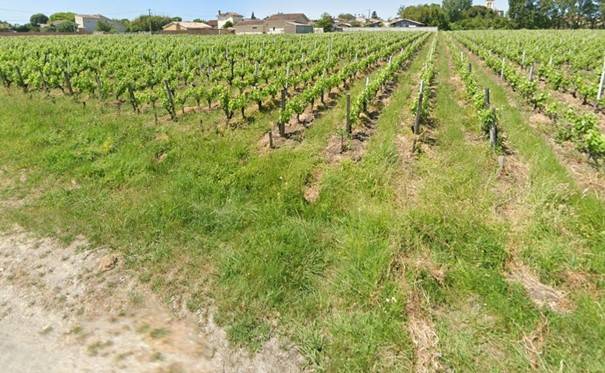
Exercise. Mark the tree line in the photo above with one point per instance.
(527, 14)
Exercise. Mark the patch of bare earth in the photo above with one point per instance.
(533, 343)
(423, 334)
(341, 147)
(512, 179)
(67, 309)
(420, 325)
(294, 130)
(313, 186)
(544, 296)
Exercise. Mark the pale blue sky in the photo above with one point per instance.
(18, 11)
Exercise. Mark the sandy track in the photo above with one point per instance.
(66, 309)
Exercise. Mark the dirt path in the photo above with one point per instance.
(66, 309)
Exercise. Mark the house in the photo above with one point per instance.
(374, 22)
(186, 26)
(404, 22)
(224, 18)
(212, 23)
(250, 27)
(288, 23)
(88, 23)
(297, 28)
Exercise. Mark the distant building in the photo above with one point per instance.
(212, 23)
(374, 22)
(490, 4)
(186, 26)
(250, 27)
(88, 23)
(298, 28)
(224, 18)
(295, 23)
(403, 22)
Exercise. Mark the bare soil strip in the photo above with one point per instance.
(65, 309)
(423, 334)
(542, 295)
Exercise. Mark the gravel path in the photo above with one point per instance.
(72, 309)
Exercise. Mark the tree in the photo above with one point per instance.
(527, 14)
(176, 19)
(38, 19)
(429, 14)
(228, 24)
(145, 23)
(23, 28)
(347, 17)
(325, 22)
(199, 20)
(252, 16)
(103, 26)
(479, 18)
(66, 26)
(374, 15)
(63, 16)
(454, 8)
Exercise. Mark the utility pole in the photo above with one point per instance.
(149, 21)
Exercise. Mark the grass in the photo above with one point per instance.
(204, 215)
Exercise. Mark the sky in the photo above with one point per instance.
(19, 11)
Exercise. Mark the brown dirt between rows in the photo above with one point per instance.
(542, 295)
(535, 341)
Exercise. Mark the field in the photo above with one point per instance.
(361, 197)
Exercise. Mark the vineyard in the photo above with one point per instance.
(384, 201)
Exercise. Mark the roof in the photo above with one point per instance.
(298, 24)
(212, 23)
(289, 17)
(250, 22)
(229, 14)
(373, 22)
(92, 16)
(397, 20)
(190, 25)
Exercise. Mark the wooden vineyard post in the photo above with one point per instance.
(282, 126)
(470, 68)
(170, 100)
(531, 73)
(271, 145)
(419, 109)
(601, 83)
(493, 129)
(523, 60)
(502, 69)
(99, 87)
(348, 118)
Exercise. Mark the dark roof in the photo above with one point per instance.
(213, 23)
(229, 14)
(289, 17)
(411, 21)
(250, 22)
